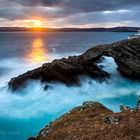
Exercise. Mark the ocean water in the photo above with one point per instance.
(24, 113)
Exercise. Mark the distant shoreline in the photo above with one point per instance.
(115, 29)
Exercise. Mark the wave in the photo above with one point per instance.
(60, 98)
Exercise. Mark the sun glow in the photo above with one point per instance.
(34, 23)
(37, 23)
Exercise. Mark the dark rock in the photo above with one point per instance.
(111, 120)
(138, 104)
(32, 138)
(46, 87)
(127, 57)
(126, 54)
(62, 70)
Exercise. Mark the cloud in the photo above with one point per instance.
(83, 5)
(70, 12)
(102, 19)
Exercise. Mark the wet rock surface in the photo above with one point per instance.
(92, 121)
(126, 54)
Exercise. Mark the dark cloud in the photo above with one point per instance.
(76, 12)
(35, 2)
(84, 5)
(69, 7)
(105, 18)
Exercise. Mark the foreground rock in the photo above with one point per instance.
(126, 54)
(93, 121)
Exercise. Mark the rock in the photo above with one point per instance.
(126, 54)
(62, 70)
(93, 121)
(111, 120)
(94, 105)
(32, 138)
(89, 103)
(138, 104)
(125, 108)
(47, 87)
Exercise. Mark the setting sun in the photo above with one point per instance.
(37, 23)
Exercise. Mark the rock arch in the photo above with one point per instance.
(126, 54)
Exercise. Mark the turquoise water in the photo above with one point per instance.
(24, 113)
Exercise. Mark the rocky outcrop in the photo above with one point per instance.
(92, 121)
(126, 54)
(63, 70)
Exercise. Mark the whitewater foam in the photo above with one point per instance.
(60, 98)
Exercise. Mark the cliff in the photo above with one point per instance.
(93, 121)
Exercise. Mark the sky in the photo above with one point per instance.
(69, 13)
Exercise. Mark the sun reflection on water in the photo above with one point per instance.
(37, 52)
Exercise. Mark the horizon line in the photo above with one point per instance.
(68, 27)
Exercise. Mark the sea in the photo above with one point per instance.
(24, 113)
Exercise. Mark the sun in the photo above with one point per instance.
(37, 23)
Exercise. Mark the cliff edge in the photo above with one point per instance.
(93, 121)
